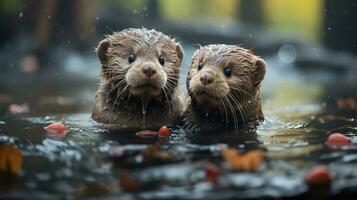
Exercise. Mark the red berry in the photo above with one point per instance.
(338, 138)
(212, 172)
(56, 127)
(318, 175)
(164, 132)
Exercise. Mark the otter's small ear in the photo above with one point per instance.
(179, 51)
(102, 52)
(259, 71)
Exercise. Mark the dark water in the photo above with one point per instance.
(301, 109)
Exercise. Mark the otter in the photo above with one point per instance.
(139, 80)
(223, 84)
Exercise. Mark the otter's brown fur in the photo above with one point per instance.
(130, 97)
(220, 98)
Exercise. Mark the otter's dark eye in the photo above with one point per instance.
(200, 66)
(131, 58)
(162, 60)
(227, 71)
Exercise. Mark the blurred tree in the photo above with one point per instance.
(153, 10)
(340, 26)
(251, 11)
(8, 16)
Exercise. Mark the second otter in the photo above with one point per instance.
(224, 85)
(138, 83)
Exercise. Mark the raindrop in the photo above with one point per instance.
(329, 28)
(21, 14)
(69, 41)
(206, 115)
(97, 18)
(287, 54)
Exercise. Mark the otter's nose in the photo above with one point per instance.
(206, 79)
(149, 71)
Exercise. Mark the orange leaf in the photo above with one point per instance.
(10, 159)
(127, 182)
(249, 161)
(346, 104)
(154, 152)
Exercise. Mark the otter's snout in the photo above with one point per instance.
(206, 78)
(149, 71)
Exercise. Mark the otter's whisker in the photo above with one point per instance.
(116, 86)
(121, 93)
(240, 108)
(225, 112)
(235, 119)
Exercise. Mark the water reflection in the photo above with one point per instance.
(88, 160)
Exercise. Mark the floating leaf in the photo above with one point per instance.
(153, 152)
(318, 175)
(147, 133)
(249, 161)
(56, 128)
(346, 104)
(19, 109)
(10, 159)
(127, 182)
(338, 138)
(164, 131)
(92, 190)
(212, 172)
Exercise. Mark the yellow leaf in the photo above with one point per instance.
(10, 159)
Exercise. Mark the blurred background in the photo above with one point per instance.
(53, 41)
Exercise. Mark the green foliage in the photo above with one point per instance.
(10, 6)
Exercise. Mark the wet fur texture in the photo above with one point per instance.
(126, 98)
(229, 102)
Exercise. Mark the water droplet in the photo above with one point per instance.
(69, 41)
(97, 18)
(21, 14)
(287, 54)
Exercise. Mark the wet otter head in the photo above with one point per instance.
(225, 79)
(140, 63)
